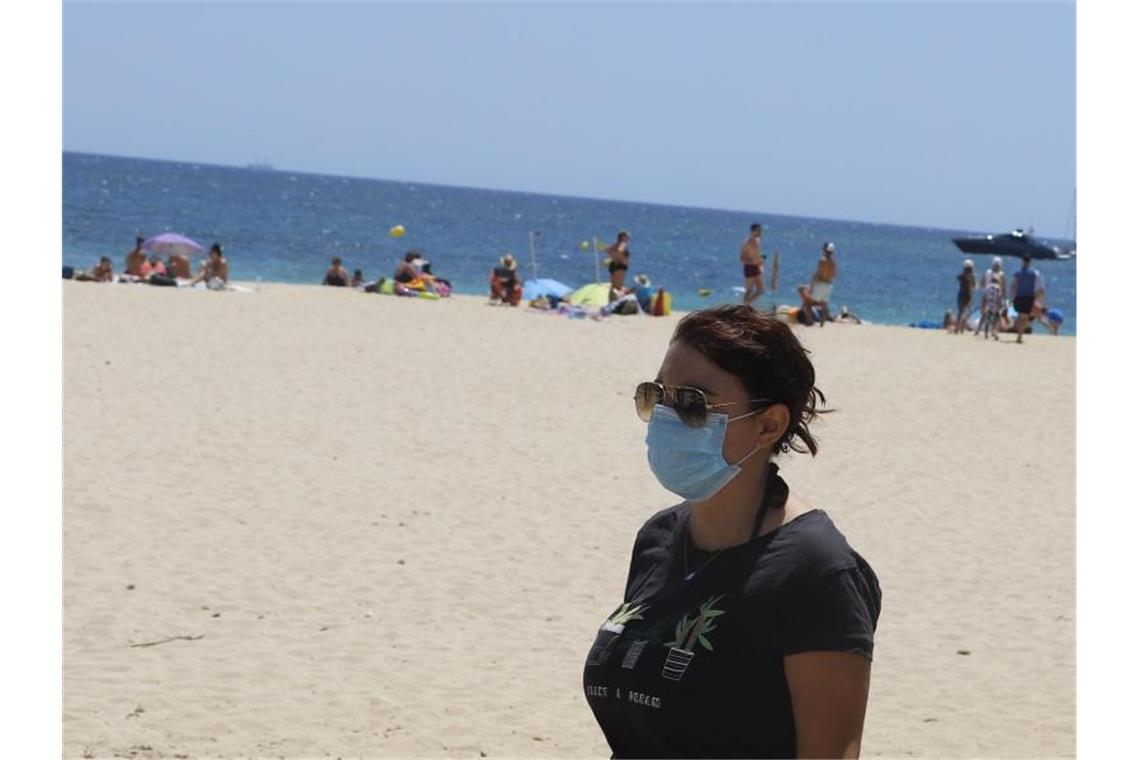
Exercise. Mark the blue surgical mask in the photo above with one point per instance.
(690, 461)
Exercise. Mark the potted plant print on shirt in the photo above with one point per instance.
(625, 614)
(687, 635)
(610, 631)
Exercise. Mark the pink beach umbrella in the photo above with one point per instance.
(171, 244)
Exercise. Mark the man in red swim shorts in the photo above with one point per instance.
(753, 260)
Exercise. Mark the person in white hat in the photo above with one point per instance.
(823, 281)
(966, 285)
(992, 276)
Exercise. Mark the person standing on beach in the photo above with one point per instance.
(618, 253)
(993, 275)
(823, 281)
(747, 624)
(752, 258)
(966, 285)
(991, 308)
(1028, 288)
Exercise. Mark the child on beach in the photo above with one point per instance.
(1051, 318)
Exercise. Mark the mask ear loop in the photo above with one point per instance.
(745, 458)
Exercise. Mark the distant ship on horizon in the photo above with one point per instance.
(260, 165)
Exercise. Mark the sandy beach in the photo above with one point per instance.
(310, 522)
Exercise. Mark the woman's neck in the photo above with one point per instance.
(729, 518)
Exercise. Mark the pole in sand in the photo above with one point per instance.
(533, 256)
(597, 262)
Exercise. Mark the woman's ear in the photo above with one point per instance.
(771, 424)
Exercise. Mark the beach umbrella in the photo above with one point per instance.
(171, 244)
(594, 294)
(533, 289)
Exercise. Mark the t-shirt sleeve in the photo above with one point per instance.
(834, 612)
(649, 547)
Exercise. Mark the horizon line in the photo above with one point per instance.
(274, 168)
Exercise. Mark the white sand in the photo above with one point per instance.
(396, 524)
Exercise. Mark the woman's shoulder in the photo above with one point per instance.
(810, 547)
(662, 524)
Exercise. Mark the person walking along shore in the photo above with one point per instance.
(752, 259)
(1028, 289)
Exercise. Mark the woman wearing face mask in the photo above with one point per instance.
(747, 624)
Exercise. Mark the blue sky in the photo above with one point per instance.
(959, 115)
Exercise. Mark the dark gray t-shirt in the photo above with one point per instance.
(696, 667)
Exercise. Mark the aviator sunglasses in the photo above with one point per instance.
(690, 404)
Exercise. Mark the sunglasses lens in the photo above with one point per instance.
(647, 396)
(691, 407)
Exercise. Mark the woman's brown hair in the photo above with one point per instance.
(767, 357)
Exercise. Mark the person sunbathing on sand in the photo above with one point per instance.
(215, 271)
(808, 314)
(406, 271)
(409, 280)
(152, 266)
(178, 265)
(135, 259)
(103, 272)
(336, 275)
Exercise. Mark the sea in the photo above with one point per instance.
(284, 226)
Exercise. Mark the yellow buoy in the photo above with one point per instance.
(397, 231)
(703, 292)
